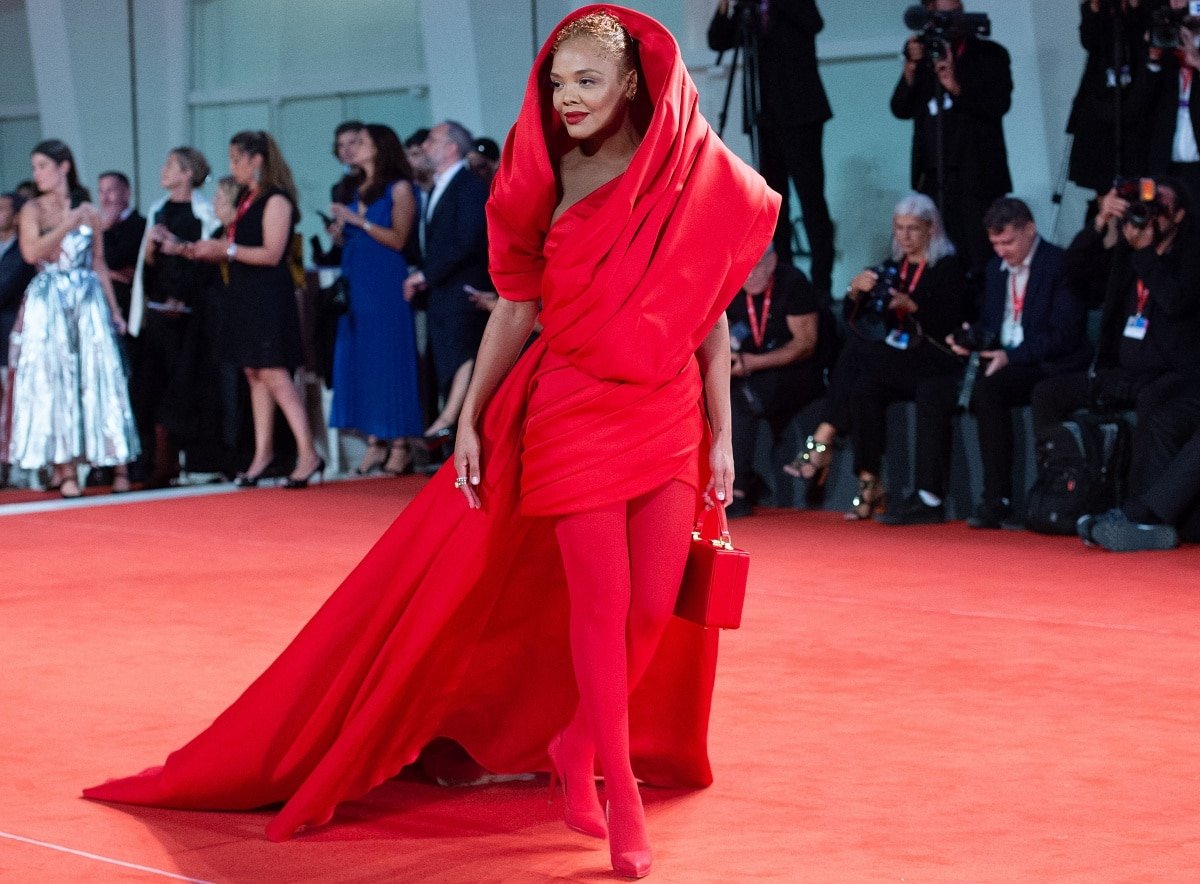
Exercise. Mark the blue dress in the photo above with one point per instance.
(375, 388)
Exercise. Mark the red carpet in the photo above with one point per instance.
(930, 704)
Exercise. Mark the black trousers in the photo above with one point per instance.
(992, 403)
(774, 395)
(888, 376)
(962, 213)
(1167, 461)
(795, 153)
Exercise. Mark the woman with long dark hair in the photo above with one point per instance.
(375, 389)
(555, 540)
(69, 400)
(263, 319)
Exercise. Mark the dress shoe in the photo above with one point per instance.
(1116, 532)
(991, 515)
(914, 511)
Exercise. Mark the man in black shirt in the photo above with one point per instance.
(794, 112)
(123, 229)
(976, 84)
(773, 333)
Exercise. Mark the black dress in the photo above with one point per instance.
(263, 328)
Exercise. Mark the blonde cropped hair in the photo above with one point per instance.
(607, 30)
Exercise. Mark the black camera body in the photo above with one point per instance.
(936, 29)
(879, 298)
(1142, 196)
(1165, 23)
(976, 338)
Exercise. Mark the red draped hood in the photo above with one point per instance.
(632, 294)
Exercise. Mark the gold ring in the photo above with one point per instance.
(460, 482)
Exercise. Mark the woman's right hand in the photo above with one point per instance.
(864, 282)
(467, 463)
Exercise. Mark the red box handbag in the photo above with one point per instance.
(714, 581)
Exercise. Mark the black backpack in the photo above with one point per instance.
(1081, 469)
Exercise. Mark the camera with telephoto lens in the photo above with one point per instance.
(1142, 196)
(976, 338)
(1165, 23)
(937, 28)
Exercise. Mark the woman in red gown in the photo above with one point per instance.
(582, 463)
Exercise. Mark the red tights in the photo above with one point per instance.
(624, 564)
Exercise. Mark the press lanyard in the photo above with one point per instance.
(1018, 298)
(910, 284)
(242, 209)
(1185, 86)
(1143, 295)
(759, 330)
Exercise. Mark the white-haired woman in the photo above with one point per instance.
(891, 351)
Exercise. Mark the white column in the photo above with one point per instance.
(52, 72)
(447, 28)
(163, 71)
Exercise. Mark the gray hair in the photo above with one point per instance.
(920, 206)
(460, 136)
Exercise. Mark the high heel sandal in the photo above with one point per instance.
(871, 499)
(403, 452)
(586, 821)
(70, 493)
(318, 472)
(629, 860)
(812, 462)
(248, 480)
(366, 467)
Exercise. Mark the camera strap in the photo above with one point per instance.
(758, 330)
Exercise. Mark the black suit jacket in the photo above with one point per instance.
(1156, 95)
(984, 71)
(792, 92)
(1054, 318)
(122, 242)
(15, 275)
(455, 251)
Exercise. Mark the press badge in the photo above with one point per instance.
(897, 338)
(1135, 327)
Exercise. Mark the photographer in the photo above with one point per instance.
(896, 328)
(1032, 326)
(1111, 32)
(1151, 317)
(773, 333)
(974, 80)
(1167, 96)
(794, 112)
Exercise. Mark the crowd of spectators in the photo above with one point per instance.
(972, 308)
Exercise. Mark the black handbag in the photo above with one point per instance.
(334, 299)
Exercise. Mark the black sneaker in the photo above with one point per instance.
(913, 511)
(991, 515)
(1116, 533)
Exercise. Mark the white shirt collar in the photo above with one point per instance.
(1026, 263)
(440, 182)
(125, 213)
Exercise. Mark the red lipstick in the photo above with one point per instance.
(573, 118)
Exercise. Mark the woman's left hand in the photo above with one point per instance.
(720, 461)
(120, 325)
(345, 216)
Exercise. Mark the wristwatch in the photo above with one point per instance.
(231, 252)
(367, 225)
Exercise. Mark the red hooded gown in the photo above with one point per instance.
(454, 625)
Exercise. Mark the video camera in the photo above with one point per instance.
(1142, 196)
(1165, 23)
(936, 29)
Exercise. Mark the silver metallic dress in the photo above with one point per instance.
(69, 396)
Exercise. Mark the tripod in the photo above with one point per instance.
(745, 45)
